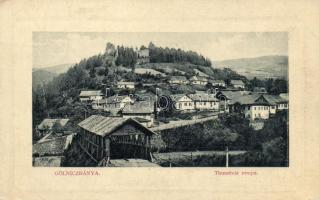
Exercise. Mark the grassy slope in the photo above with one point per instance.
(261, 67)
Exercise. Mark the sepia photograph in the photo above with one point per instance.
(160, 99)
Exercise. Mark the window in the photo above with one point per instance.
(273, 107)
(248, 107)
(185, 104)
(255, 108)
(204, 103)
(190, 104)
(179, 105)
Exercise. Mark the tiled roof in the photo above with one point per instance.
(231, 94)
(237, 82)
(274, 99)
(55, 146)
(48, 123)
(202, 97)
(85, 93)
(140, 107)
(103, 126)
(246, 99)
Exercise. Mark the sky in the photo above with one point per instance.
(55, 48)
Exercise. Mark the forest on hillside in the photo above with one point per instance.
(59, 97)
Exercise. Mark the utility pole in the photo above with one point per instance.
(227, 156)
(156, 99)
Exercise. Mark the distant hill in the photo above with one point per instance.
(57, 69)
(260, 67)
(42, 76)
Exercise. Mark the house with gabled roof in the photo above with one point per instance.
(239, 84)
(182, 102)
(217, 83)
(253, 106)
(277, 103)
(51, 151)
(90, 95)
(141, 111)
(198, 80)
(205, 101)
(48, 125)
(178, 80)
(125, 85)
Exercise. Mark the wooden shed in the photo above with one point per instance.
(114, 138)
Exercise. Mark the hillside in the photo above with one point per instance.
(260, 67)
(57, 69)
(42, 76)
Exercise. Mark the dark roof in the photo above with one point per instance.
(178, 78)
(231, 94)
(139, 107)
(246, 99)
(49, 123)
(85, 93)
(202, 97)
(103, 126)
(55, 146)
(237, 82)
(274, 99)
(48, 161)
(141, 120)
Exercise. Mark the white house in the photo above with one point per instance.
(277, 103)
(205, 101)
(253, 106)
(239, 84)
(90, 95)
(118, 101)
(226, 97)
(182, 102)
(218, 83)
(126, 85)
(178, 80)
(141, 111)
(198, 80)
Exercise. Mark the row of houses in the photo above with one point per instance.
(202, 80)
(252, 105)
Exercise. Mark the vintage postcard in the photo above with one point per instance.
(159, 100)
